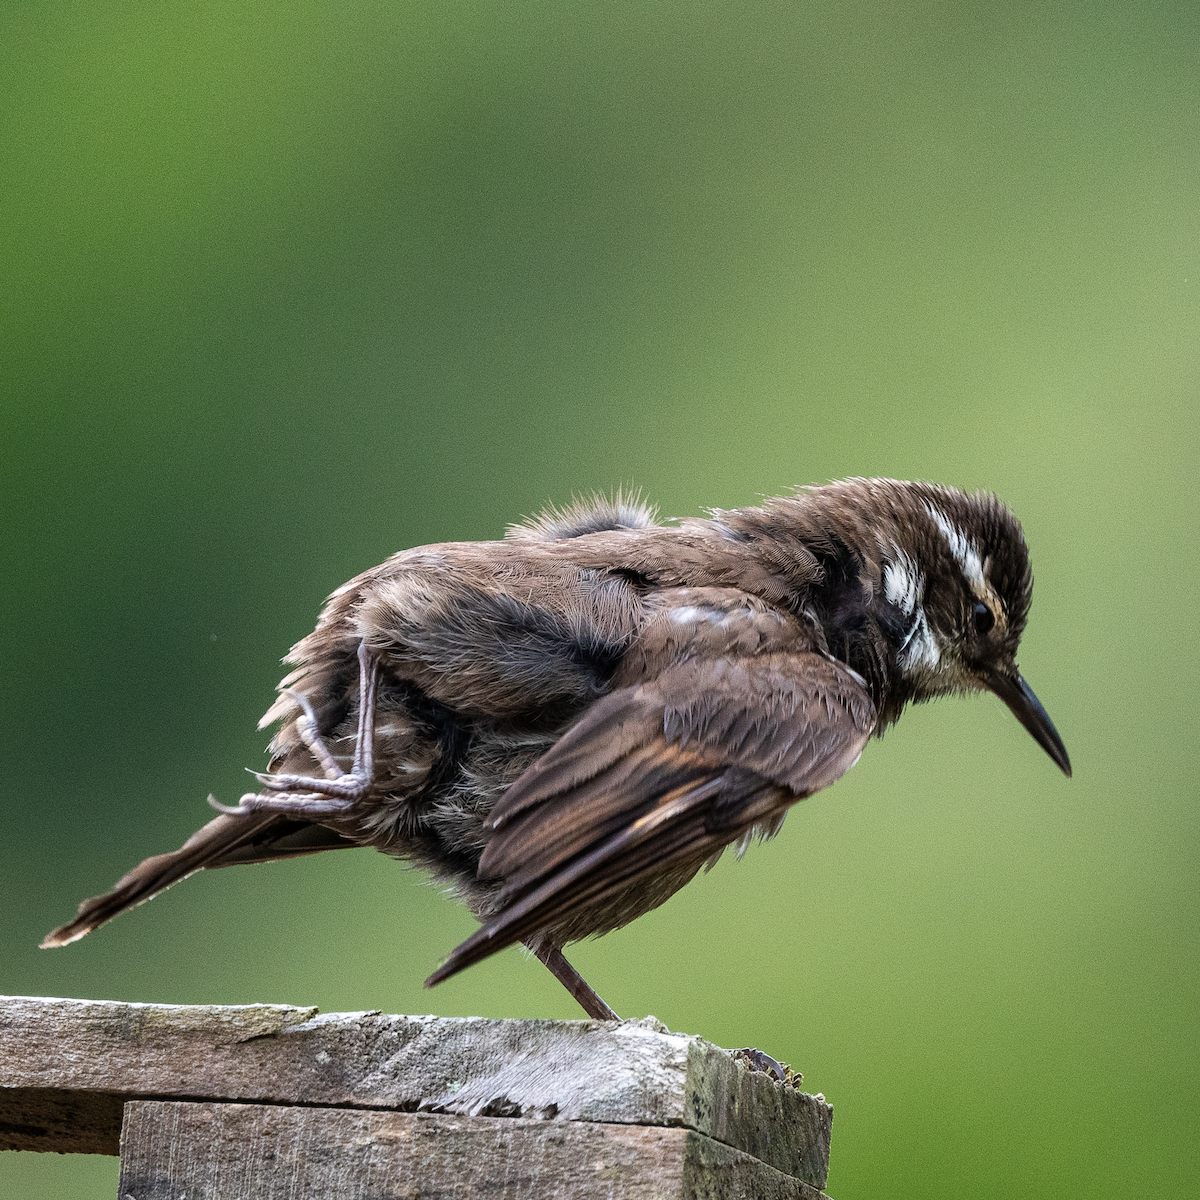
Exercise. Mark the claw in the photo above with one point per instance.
(760, 1061)
(230, 810)
(307, 796)
(273, 783)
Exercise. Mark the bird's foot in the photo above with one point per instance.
(309, 795)
(756, 1060)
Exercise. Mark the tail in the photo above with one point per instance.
(225, 842)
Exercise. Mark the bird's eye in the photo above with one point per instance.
(984, 620)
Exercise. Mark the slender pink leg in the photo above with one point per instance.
(307, 795)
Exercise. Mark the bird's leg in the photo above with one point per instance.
(337, 782)
(575, 983)
(307, 795)
(306, 727)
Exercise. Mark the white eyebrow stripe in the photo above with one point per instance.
(963, 550)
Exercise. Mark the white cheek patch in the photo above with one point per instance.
(919, 652)
(904, 586)
(963, 550)
(902, 582)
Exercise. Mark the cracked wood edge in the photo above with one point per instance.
(261, 1152)
(67, 1066)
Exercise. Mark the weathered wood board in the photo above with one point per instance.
(68, 1066)
(187, 1151)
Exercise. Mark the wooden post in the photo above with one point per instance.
(269, 1102)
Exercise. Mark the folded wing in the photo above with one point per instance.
(653, 781)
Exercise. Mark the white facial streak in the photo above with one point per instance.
(902, 582)
(963, 549)
(919, 651)
(904, 586)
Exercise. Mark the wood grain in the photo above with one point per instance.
(188, 1151)
(66, 1067)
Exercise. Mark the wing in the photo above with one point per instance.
(654, 780)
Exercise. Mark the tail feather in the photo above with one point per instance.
(223, 842)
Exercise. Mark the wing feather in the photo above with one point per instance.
(654, 780)
(225, 841)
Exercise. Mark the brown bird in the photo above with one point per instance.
(566, 725)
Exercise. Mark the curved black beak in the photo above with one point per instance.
(1027, 708)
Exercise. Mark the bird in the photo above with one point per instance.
(567, 724)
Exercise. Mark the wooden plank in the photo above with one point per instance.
(64, 1120)
(173, 1150)
(74, 1059)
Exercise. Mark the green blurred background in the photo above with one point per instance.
(289, 286)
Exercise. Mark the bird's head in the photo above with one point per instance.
(944, 578)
